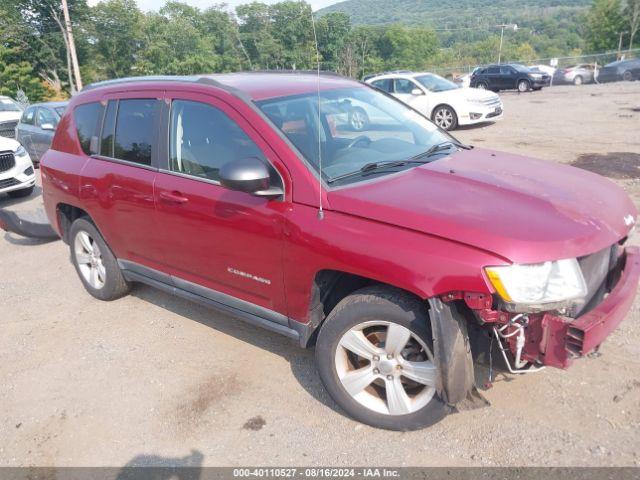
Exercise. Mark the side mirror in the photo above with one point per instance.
(416, 92)
(249, 175)
(47, 126)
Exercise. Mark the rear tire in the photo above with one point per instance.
(381, 394)
(96, 265)
(627, 76)
(25, 192)
(578, 81)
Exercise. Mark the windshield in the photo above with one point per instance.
(8, 105)
(436, 83)
(521, 68)
(60, 110)
(358, 126)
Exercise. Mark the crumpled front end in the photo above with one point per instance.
(556, 337)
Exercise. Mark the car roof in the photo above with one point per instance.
(256, 85)
(50, 104)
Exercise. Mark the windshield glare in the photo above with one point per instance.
(358, 126)
(436, 83)
(8, 105)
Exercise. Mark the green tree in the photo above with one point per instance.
(604, 24)
(16, 74)
(116, 34)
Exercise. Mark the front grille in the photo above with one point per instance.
(595, 270)
(8, 129)
(7, 161)
(493, 102)
(8, 182)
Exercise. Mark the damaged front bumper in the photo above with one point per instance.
(563, 339)
(553, 339)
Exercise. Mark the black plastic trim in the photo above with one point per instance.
(249, 312)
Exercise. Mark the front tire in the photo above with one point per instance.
(445, 117)
(627, 76)
(25, 192)
(578, 81)
(374, 356)
(482, 86)
(524, 86)
(358, 119)
(96, 265)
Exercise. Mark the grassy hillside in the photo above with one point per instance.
(454, 13)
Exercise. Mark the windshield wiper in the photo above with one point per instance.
(374, 166)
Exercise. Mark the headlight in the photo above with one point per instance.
(536, 75)
(539, 283)
(20, 152)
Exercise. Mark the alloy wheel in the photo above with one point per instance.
(89, 259)
(357, 120)
(444, 118)
(386, 368)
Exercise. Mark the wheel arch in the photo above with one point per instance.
(329, 287)
(66, 214)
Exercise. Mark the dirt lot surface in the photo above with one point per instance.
(153, 379)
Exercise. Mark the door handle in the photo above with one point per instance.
(173, 198)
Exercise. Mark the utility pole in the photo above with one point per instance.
(620, 45)
(502, 27)
(72, 46)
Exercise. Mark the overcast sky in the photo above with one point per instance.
(157, 4)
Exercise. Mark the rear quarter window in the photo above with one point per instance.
(87, 118)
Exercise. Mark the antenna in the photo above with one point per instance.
(315, 37)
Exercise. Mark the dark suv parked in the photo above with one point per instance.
(394, 249)
(509, 77)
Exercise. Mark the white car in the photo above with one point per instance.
(10, 113)
(17, 176)
(439, 99)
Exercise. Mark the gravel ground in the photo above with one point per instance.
(153, 379)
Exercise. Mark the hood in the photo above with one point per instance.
(10, 116)
(522, 209)
(470, 94)
(7, 144)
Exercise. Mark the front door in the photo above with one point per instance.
(219, 243)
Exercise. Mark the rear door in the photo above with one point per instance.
(218, 243)
(117, 181)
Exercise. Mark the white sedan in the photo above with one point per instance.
(443, 101)
(17, 177)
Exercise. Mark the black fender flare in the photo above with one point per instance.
(452, 353)
(34, 224)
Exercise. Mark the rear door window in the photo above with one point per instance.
(135, 130)
(87, 118)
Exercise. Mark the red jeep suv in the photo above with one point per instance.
(393, 249)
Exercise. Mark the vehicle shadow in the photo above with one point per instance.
(301, 360)
(7, 201)
(473, 127)
(15, 239)
(156, 467)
